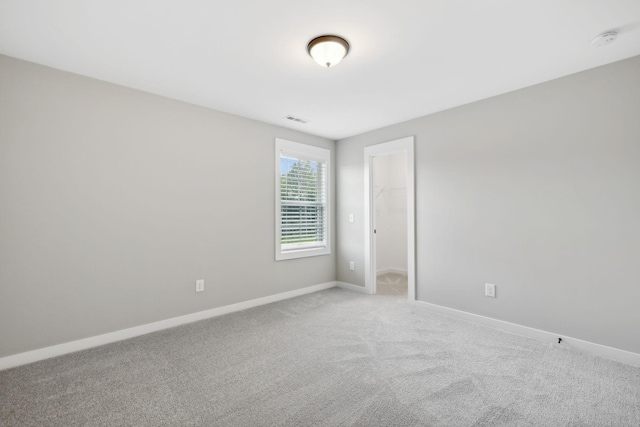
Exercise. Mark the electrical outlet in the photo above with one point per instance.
(200, 285)
(350, 217)
(490, 290)
(352, 265)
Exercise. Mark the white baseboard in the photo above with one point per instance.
(351, 287)
(586, 346)
(98, 340)
(392, 271)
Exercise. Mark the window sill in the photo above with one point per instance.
(301, 253)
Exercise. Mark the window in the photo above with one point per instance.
(302, 200)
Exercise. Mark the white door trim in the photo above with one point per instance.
(398, 146)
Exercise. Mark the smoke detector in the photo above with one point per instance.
(604, 38)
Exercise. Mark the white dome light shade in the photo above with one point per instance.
(327, 51)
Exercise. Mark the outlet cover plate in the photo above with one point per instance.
(200, 285)
(490, 290)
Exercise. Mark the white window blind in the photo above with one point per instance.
(302, 203)
(302, 193)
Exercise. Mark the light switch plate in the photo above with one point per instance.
(490, 290)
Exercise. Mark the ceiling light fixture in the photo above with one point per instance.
(327, 51)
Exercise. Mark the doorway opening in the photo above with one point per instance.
(390, 218)
(390, 223)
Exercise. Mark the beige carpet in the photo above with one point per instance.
(392, 284)
(332, 358)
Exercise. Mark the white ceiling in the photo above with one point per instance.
(408, 58)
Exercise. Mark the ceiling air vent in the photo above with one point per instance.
(296, 119)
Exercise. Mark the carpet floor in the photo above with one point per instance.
(392, 284)
(331, 358)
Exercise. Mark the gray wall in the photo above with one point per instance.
(113, 202)
(536, 191)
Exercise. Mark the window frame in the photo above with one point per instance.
(302, 152)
